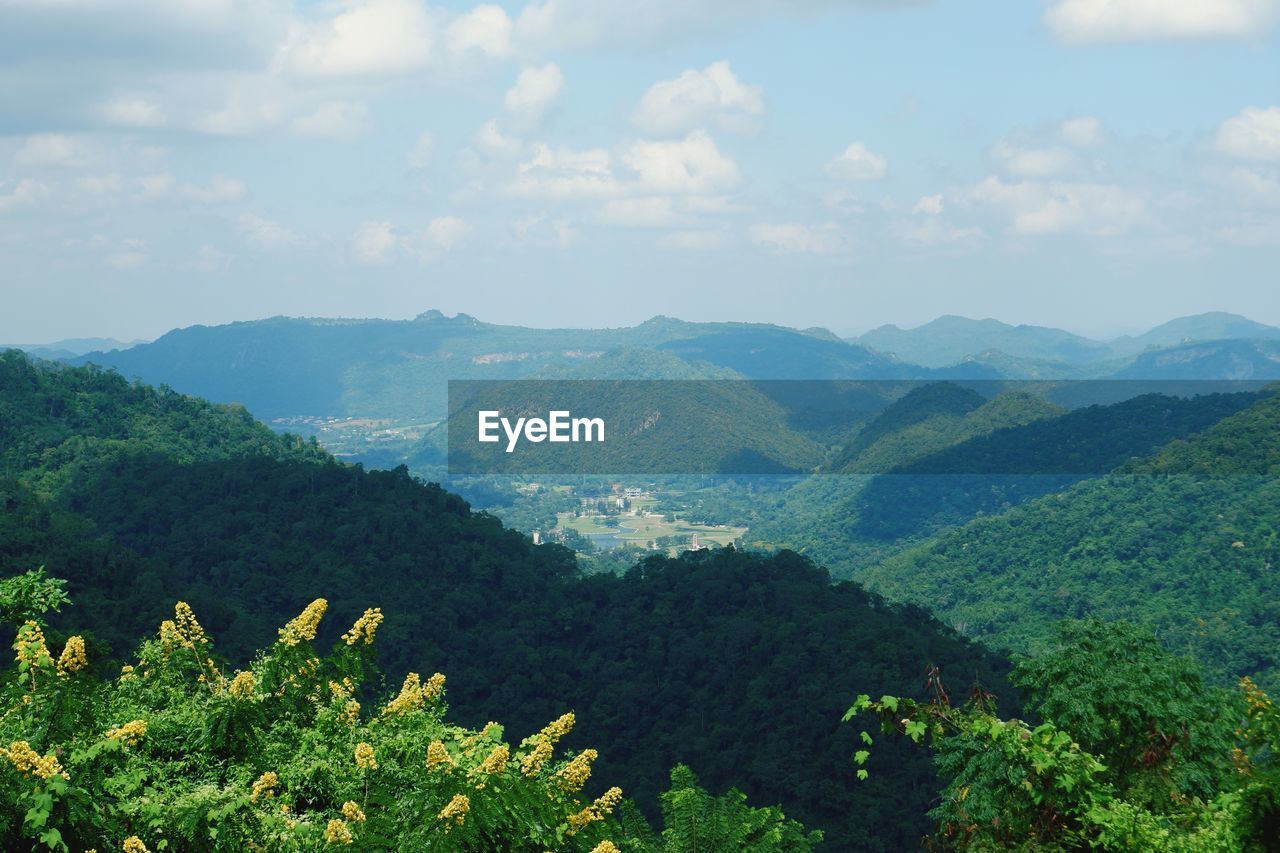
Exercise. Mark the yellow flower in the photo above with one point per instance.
(73, 658)
(304, 625)
(30, 646)
(350, 712)
(433, 688)
(544, 744)
(337, 832)
(497, 760)
(242, 685)
(189, 630)
(410, 698)
(129, 733)
(133, 844)
(576, 773)
(365, 627)
(438, 755)
(28, 762)
(170, 636)
(364, 757)
(598, 810)
(352, 812)
(456, 810)
(606, 847)
(265, 787)
(127, 673)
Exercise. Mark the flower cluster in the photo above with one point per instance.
(130, 733)
(606, 846)
(496, 761)
(30, 646)
(544, 743)
(364, 629)
(304, 625)
(242, 685)
(133, 844)
(455, 812)
(437, 755)
(350, 713)
(599, 810)
(337, 832)
(28, 762)
(352, 812)
(410, 698)
(73, 658)
(265, 786)
(432, 690)
(576, 773)
(364, 757)
(189, 629)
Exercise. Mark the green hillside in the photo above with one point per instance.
(736, 664)
(1184, 542)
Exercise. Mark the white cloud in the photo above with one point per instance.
(1253, 134)
(264, 233)
(486, 29)
(566, 173)
(543, 231)
(375, 241)
(1251, 186)
(420, 154)
(132, 111)
(858, 163)
(1134, 20)
(534, 93)
(24, 193)
(208, 259)
(710, 97)
(932, 230)
(56, 150)
(1037, 207)
(126, 260)
(794, 237)
(642, 212)
(340, 120)
(700, 239)
(691, 165)
(365, 37)
(1031, 162)
(930, 205)
(220, 190)
(1082, 131)
(1252, 233)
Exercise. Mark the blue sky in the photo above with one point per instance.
(1100, 165)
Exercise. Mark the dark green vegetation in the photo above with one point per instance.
(736, 664)
(1184, 541)
(299, 751)
(1133, 752)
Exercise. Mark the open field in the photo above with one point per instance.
(641, 529)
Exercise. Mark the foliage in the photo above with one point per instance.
(295, 753)
(733, 663)
(695, 821)
(1144, 758)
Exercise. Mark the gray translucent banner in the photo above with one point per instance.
(779, 427)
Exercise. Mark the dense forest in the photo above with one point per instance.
(735, 664)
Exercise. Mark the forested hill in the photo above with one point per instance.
(1185, 541)
(737, 664)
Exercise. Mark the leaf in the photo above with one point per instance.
(862, 775)
(889, 702)
(866, 738)
(861, 756)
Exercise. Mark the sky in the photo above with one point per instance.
(1095, 165)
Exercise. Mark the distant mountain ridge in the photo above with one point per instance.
(399, 369)
(951, 339)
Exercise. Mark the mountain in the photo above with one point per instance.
(1212, 326)
(1213, 359)
(287, 367)
(71, 347)
(950, 339)
(1184, 542)
(736, 664)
